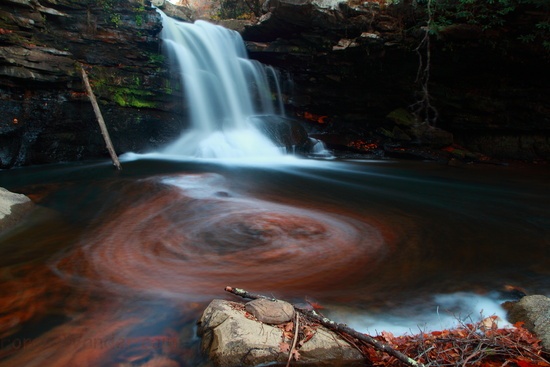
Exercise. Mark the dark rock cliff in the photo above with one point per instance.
(352, 66)
(46, 115)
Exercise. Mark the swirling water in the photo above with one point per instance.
(115, 267)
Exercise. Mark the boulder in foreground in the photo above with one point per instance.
(233, 337)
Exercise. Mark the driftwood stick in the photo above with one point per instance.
(100, 120)
(363, 337)
(244, 294)
(338, 328)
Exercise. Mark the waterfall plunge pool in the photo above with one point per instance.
(111, 263)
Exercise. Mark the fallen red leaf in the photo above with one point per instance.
(284, 347)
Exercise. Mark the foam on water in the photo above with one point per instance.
(443, 311)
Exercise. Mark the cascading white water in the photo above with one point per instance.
(223, 89)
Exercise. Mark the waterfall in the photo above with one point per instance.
(223, 90)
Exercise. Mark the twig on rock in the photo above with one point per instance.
(311, 314)
(296, 331)
(244, 294)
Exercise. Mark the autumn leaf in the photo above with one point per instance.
(308, 331)
(388, 337)
(288, 335)
(287, 330)
(525, 362)
(491, 364)
(308, 334)
(289, 326)
(315, 305)
(489, 323)
(284, 347)
(295, 354)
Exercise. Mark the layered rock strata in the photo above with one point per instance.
(47, 117)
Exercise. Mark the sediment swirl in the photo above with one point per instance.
(189, 235)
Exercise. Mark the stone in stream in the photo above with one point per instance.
(271, 312)
(12, 208)
(230, 338)
(534, 311)
(160, 361)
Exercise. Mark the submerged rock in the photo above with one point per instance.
(284, 132)
(230, 338)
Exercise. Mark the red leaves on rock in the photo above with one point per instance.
(305, 332)
(308, 333)
(288, 330)
(363, 145)
(315, 118)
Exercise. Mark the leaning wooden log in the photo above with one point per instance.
(341, 328)
(100, 120)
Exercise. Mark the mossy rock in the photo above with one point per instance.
(402, 117)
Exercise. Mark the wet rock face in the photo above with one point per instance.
(285, 132)
(354, 65)
(47, 117)
(46, 126)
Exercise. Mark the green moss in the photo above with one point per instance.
(132, 97)
(123, 88)
(139, 10)
(167, 87)
(493, 15)
(402, 117)
(157, 59)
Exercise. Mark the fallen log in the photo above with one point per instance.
(311, 314)
(100, 120)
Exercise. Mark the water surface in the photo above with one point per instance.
(115, 267)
